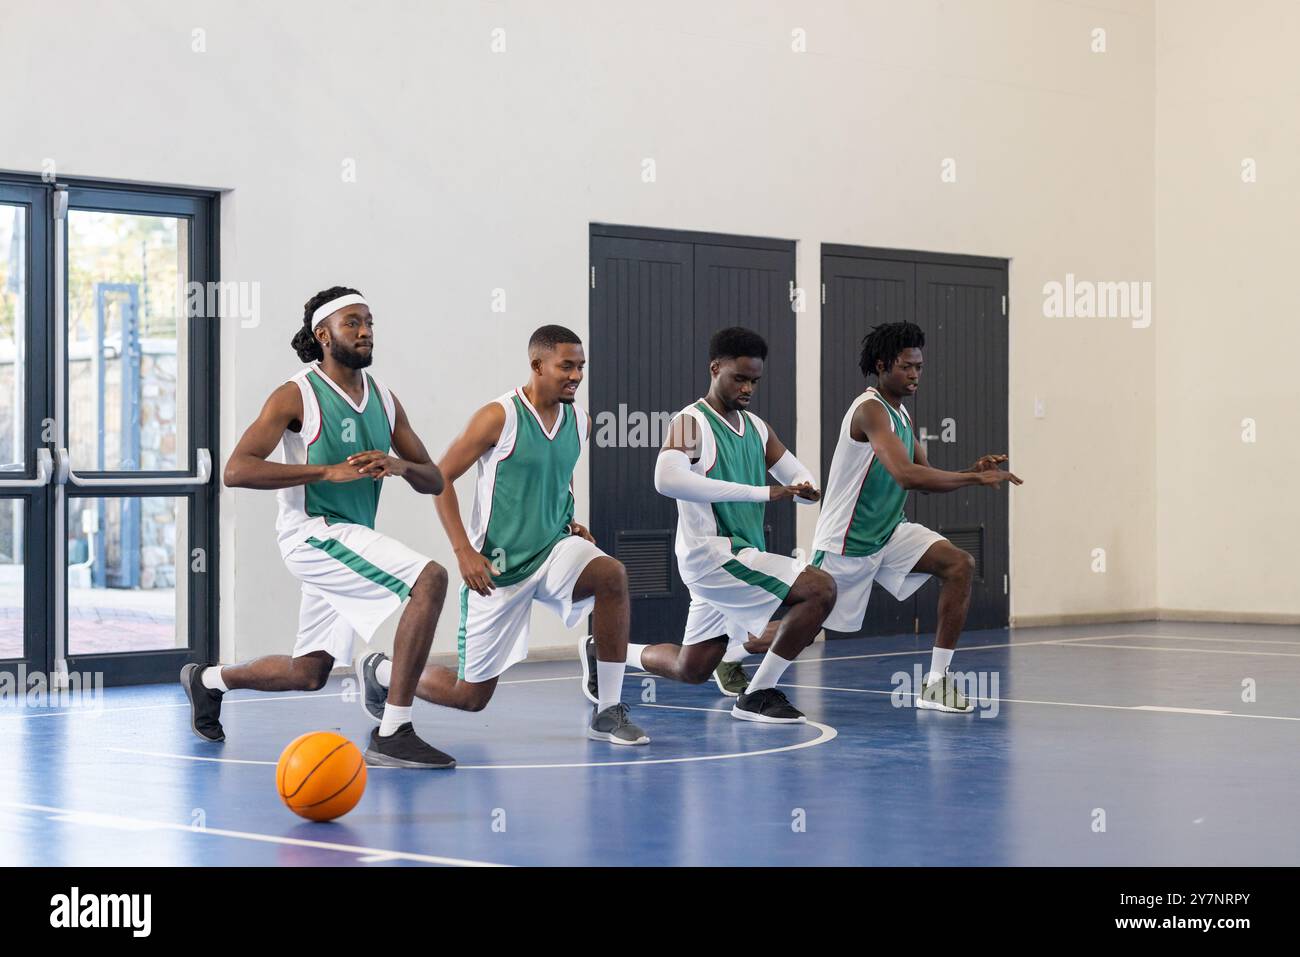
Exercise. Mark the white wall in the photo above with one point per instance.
(478, 170)
(1228, 518)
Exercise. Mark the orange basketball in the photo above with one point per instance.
(321, 775)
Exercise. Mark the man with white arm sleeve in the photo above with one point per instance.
(714, 462)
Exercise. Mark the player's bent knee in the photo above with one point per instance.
(962, 567)
(821, 588)
(313, 678)
(432, 581)
(612, 578)
(478, 700)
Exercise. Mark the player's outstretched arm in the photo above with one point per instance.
(481, 434)
(789, 471)
(674, 478)
(871, 423)
(247, 466)
(412, 461)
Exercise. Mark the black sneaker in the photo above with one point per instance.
(613, 726)
(205, 704)
(402, 749)
(767, 705)
(373, 694)
(587, 655)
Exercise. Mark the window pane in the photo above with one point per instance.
(128, 343)
(13, 317)
(127, 574)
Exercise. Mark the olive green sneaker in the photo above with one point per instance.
(731, 679)
(941, 694)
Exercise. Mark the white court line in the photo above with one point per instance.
(1158, 707)
(1228, 641)
(1193, 651)
(259, 699)
(144, 824)
(1063, 704)
(825, 733)
(963, 648)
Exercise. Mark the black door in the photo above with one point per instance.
(860, 293)
(962, 407)
(656, 298)
(960, 411)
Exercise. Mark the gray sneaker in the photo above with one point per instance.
(613, 726)
(373, 695)
(942, 695)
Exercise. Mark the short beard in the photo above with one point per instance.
(349, 357)
(566, 399)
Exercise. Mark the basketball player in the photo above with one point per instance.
(862, 535)
(337, 425)
(523, 545)
(715, 461)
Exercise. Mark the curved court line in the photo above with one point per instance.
(365, 854)
(825, 733)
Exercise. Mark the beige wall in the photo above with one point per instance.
(478, 170)
(1228, 517)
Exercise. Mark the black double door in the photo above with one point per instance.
(656, 297)
(960, 407)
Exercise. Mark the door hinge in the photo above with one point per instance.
(823, 294)
(593, 277)
(792, 290)
(1006, 585)
(59, 207)
(1004, 305)
(916, 626)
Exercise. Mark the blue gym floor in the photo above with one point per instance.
(1143, 721)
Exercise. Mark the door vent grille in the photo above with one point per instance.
(969, 539)
(648, 557)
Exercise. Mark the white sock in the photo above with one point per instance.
(384, 672)
(212, 679)
(769, 672)
(940, 658)
(735, 651)
(609, 683)
(634, 655)
(394, 718)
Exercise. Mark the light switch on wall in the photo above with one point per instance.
(1040, 408)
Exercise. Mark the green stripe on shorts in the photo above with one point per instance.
(817, 558)
(751, 577)
(460, 632)
(336, 549)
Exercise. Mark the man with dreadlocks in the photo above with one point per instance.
(337, 425)
(862, 535)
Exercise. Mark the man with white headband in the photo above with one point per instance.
(337, 426)
(715, 462)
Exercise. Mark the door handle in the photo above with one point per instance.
(201, 476)
(44, 470)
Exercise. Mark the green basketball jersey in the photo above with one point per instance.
(523, 501)
(862, 504)
(334, 427)
(740, 457)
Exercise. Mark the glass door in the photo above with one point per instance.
(26, 463)
(108, 378)
(134, 365)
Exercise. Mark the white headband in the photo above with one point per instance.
(334, 305)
